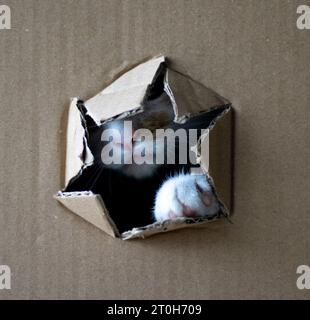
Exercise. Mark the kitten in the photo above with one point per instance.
(137, 185)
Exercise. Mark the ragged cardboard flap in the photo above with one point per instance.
(169, 225)
(77, 152)
(221, 158)
(190, 97)
(124, 94)
(90, 207)
(190, 100)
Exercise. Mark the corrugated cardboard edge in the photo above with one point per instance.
(90, 206)
(124, 94)
(221, 159)
(87, 205)
(168, 225)
(78, 154)
(190, 97)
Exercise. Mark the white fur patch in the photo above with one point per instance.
(185, 195)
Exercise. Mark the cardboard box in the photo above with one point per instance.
(125, 96)
(252, 53)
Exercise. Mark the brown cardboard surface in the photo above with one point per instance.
(125, 93)
(248, 51)
(90, 207)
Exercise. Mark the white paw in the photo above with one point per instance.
(185, 195)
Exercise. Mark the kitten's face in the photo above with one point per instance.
(134, 141)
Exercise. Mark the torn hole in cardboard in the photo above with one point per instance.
(123, 207)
